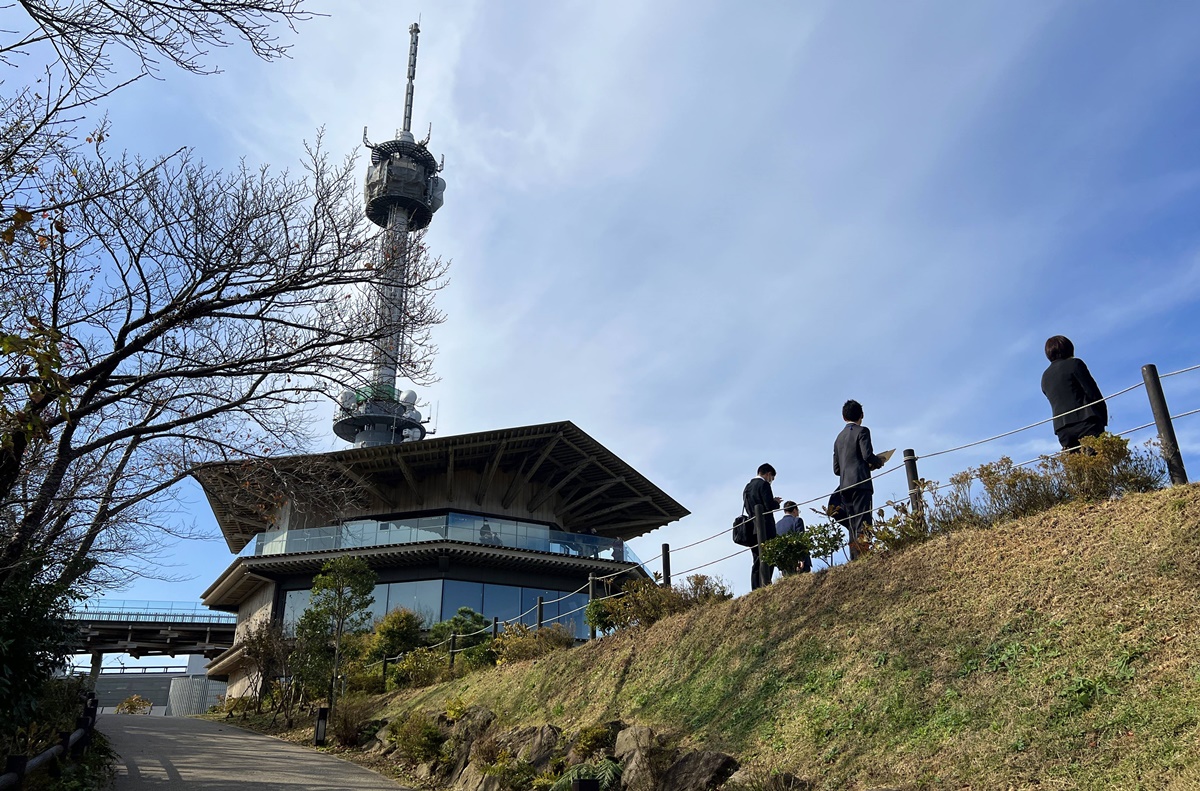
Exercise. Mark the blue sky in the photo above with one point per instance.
(695, 229)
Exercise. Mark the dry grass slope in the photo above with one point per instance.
(1059, 651)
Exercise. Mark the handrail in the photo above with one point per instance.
(70, 744)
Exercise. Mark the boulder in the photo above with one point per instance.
(542, 746)
(636, 738)
(640, 772)
(699, 771)
(463, 735)
(757, 778)
(473, 779)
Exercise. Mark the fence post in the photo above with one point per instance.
(385, 660)
(453, 642)
(540, 605)
(591, 598)
(15, 764)
(1166, 431)
(915, 500)
(666, 561)
(760, 530)
(495, 627)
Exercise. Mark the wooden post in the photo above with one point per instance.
(540, 605)
(453, 643)
(495, 627)
(915, 499)
(760, 532)
(1166, 430)
(666, 561)
(591, 598)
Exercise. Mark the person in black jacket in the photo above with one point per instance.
(853, 460)
(758, 492)
(1075, 400)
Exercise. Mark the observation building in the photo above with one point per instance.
(489, 521)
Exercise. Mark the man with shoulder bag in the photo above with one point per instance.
(758, 493)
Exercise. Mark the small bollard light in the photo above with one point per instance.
(322, 724)
(585, 785)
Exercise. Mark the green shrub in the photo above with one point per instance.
(644, 602)
(134, 704)
(1105, 468)
(94, 770)
(351, 716)
(787, 552)
(419, 668)
(595, 739)
(478, 657)
(395, 633)
(511, 772)
(824, 539)
(520, 642)
(417, 737)
(598, 616)
(701, 589)
(607, 771)
(465, 622)
(1108, 468)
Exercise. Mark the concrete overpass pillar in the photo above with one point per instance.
(94, 674)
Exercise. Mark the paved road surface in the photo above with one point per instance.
(198, 755)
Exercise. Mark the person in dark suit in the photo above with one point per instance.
(1075, 399)
(853, 460)
(758, 492)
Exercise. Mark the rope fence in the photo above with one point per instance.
(1151, 378)
(917, 492)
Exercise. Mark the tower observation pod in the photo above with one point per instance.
(402, 191)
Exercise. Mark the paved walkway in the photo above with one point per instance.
(198, 755)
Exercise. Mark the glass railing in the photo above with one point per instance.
(133, 610)
(452, 527)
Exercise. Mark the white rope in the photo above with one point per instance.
(1180, 371)
(1032, 425)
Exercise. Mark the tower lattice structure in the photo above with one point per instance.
(402, 191)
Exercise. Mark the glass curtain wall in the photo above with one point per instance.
(439, 600)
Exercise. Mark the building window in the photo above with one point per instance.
(423, 598)
(456, 594)
(294, 605)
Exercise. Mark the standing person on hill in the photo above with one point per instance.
(853, 460)
(758, 492)
(1075, 399)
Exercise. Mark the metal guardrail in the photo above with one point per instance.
(154, 617)
(133, 670)
(133, 611)
(71, 744)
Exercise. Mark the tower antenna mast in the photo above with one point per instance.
(402, 191)
(414, 33)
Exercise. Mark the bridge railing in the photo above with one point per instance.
(131, 610)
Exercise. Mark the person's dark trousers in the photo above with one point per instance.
(857, 505)
(1069, 436)
(756, 580)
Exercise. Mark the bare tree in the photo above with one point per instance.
(186, 313)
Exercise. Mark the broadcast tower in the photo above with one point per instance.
(402, 192)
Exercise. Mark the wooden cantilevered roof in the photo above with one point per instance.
(588, 486)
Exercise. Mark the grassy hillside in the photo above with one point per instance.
(1059, 651)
